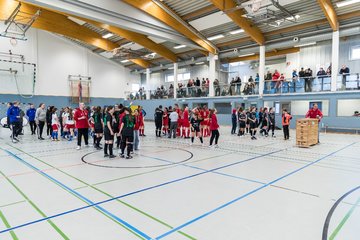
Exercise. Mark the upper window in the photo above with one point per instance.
(135, 87)
(355, 53)
(181, 77)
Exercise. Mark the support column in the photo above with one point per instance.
(261, 70)
(335, 60)
(175, 80)
(148, 83)
(212, 73)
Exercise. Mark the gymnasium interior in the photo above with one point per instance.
(276, 84)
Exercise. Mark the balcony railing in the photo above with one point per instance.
(349, 82)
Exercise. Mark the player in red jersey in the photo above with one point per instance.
(141, 122)
(179, 126)
(166, 121)
(205, 127)
(186, 123)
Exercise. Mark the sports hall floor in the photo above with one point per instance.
(265, 189)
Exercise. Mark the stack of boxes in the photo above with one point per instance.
(307, 132)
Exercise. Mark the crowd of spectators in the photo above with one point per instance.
(275, 82)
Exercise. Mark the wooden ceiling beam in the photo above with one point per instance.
(267, 54)
(159, 13)
(229, 7)
(294, 28)
(141, 62)
(58, 23)
(330, 13)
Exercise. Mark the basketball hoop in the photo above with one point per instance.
(13, 41)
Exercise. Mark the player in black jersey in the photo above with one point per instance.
(158, 116)
(242, 119)
(248, 120)
(127, 133)
(195, 128)
(264, 123)
(98, 122)
(253, 123)
(109, 132)
(272, 121)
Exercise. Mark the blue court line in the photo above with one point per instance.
(129, 226)
(247, 194)
(202, 169)
(135, 192)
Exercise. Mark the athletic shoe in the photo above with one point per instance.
(191, 144)
(98, 148)
(216, 146)
(122, 155)
(41, 138)
(211, 146)
(132, 152)
(106, 155)
(112, 156)
(86, 145)
(78, 148)
(129, 157)
(14, 141)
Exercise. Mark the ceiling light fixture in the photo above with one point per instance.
(125, 61)
(306, 44)
(346, 2)
(215, 37)
(199, 63)
(248, 54)
(107, 35)
(179, 46)
(237, 31)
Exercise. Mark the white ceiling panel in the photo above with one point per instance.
(209, 21)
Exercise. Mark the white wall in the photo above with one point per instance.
(56, 58)
(320, 55)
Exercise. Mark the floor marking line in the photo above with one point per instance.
(6, 223)
(248, 194)
(10, 204)
(134, 192)
(202, 169)
(332, 210)
(343, 221)
(37, 209)
(126, 224)
(109, 195)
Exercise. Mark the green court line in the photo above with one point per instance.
(77, 196)
(109, 195)
(35, 207)
(10, 204)
(12, 233)
(343, 221)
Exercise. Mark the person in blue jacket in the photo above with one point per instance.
(30, 113)
(14, 117)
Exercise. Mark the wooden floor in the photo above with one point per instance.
(252, 190)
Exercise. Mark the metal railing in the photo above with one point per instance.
(350, 82)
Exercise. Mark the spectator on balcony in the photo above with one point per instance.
(268, 78)
(308, 80)
(171, 90)
(232, 87)
(344, 71)
(321, 74)
(190, 87)
(295, 78)
(197, 82)
(237, 85)
(275, 78)
(279, 82)
(328, 70)
(217, 87)
(181, 91)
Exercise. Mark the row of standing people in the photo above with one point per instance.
(176, 122)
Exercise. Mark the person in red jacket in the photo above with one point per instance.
(275, 78)
(286, 117)
(315, 112)
(214, 128)
(186, 123)
(82, 124)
